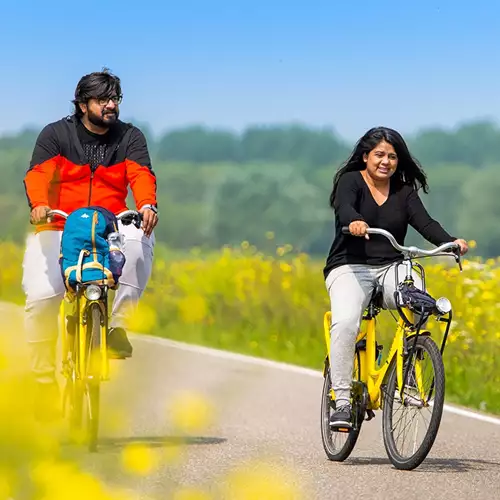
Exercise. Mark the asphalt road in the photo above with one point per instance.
(264, 414)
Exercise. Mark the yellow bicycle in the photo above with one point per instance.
(83, 320)
(409, 386)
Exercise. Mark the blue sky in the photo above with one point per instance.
(345, 64)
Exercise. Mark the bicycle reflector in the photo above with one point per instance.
(443, 305)
(93, 292)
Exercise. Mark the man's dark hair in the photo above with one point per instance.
(98, 85)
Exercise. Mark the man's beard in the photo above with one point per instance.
(104, 120)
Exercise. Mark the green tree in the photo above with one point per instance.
(479, 213)
(198, 144)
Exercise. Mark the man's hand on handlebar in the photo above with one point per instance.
(39, 215)
(149, 220)
(358, 228)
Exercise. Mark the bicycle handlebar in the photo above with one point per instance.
(127, 216)
(50, 213)
(413, 251)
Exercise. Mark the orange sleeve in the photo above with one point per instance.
(140, 174)
(42, 168)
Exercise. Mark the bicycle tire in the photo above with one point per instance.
(326, 433)
(428, 345)
(74, 394)
(93, 377)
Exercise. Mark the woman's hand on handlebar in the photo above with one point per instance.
(358, 228)
(464, 248)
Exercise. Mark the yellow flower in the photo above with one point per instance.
(285, 284)
(193, 308)
(142, 319)
(191, 494)
(191, 412)
(262, 481)
(286, 268)
(139, 459)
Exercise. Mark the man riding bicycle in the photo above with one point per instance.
(87, 159)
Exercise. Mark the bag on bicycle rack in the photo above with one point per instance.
(85, 250)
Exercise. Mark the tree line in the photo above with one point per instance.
(219, 187)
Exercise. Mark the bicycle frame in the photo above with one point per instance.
(77, 353)
(81, 306)
(365, 361)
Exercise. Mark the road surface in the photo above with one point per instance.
(266, 413)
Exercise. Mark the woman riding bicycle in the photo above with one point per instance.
(376, 187)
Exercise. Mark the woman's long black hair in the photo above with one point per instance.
(408, 172)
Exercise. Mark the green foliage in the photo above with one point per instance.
(217, 186)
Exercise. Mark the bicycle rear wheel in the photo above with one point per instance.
(422, 403)
(338, 445)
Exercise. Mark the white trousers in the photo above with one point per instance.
(44, 289)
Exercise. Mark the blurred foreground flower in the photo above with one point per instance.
(191, 412)
(140, 459)
(191, 494)
(262, 481)
(143, 319)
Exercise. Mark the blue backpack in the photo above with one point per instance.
(85, 253)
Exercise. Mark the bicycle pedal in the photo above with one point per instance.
(370, 414)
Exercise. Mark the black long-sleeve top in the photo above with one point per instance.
(403, 206)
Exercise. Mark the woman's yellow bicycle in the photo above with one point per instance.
(83, 320)
(409, 386)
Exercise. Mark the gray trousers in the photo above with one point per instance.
(350, 288)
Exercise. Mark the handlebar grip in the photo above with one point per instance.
(345, 230)
(132, 218)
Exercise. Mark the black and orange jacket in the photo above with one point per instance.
(59, 177)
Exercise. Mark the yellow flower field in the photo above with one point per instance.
(237, 299)
(273, 305)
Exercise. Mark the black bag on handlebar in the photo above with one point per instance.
(416, 300)
(85, 251)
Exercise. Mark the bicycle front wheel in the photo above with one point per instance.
(93, 376)
(411, 421)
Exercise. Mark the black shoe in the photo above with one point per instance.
(341, 417)
(119, 346)
(47, 403)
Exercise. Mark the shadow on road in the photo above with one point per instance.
(432, 464)
(158, 441)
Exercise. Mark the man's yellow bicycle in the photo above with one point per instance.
(409, 386)
(83, 319)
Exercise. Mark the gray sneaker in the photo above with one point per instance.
(341, 417)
